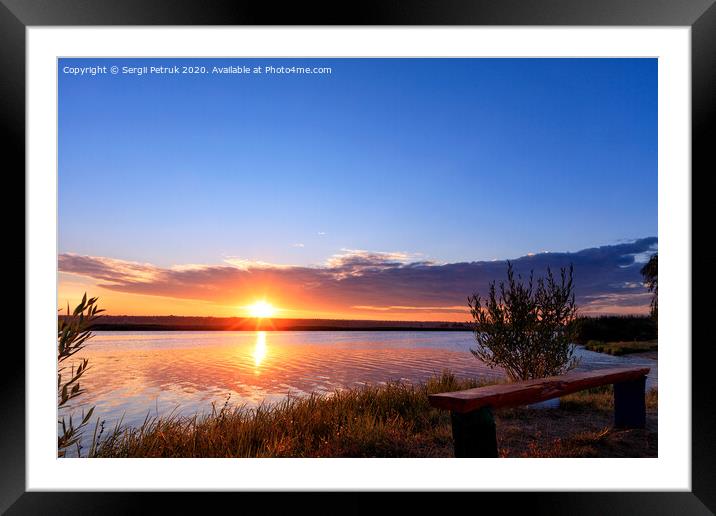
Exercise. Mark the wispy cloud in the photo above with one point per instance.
(111, 270)
(357, 262)
(607, 279)
(246, 265)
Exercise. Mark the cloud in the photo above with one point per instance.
(607, 279)
(108, 269)
(297, 245)
(246, 265)
(641, 257)
(356, 262)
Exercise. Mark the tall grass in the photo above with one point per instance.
(393, 420)
(73, 332)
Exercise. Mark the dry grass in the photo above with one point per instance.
(393, 420)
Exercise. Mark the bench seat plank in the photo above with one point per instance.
(532, 391)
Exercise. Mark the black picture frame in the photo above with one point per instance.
(700, 15)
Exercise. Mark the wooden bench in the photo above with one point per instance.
(473, 425)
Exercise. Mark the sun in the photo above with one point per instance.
(261, 310)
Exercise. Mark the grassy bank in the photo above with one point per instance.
(394, 420)
(622, 348)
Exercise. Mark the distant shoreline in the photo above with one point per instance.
(140, 327)
(604, 328)
(173, 323)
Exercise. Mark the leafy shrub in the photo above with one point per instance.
(528, 330)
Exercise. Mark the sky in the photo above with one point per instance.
(387, 188)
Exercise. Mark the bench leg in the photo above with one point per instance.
(474, 433)
(630, 404)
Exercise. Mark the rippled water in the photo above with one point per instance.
(135, 373)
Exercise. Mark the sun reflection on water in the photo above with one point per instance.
(259, 349)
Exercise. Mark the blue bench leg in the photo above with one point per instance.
(474, 433)
(630, 404)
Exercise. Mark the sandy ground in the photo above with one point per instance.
(560, 433)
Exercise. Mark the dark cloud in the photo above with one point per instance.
(607, 279)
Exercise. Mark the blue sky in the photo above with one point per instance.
(427, 160)
(457, 159)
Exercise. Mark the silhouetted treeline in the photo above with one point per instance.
(605, 328)
(176, 323)
(615, 328)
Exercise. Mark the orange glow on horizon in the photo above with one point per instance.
(294, 304)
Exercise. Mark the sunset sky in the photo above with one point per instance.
(387, 189)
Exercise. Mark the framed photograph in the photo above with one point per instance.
(411, 249)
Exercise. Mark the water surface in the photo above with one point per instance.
(135, 373)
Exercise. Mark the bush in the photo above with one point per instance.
(527, 330)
